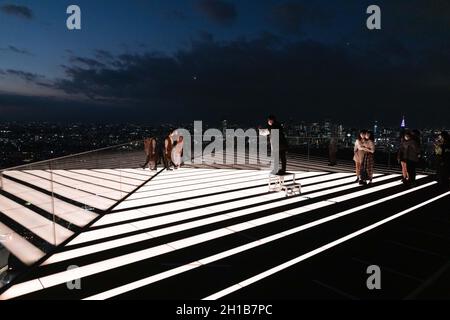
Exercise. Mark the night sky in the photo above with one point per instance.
(184, 60)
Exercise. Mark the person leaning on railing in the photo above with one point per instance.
(442, 151)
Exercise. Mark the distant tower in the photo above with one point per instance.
(375, 129)
(403, 124)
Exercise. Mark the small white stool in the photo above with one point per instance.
(277, 183)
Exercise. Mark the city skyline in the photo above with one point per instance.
(22, 143)
(223, 59)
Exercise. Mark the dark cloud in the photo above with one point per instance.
(91, 63)
(291, 17)
(219, 11)
(14, 49)
(17, 10)
(247, 78)
(27, 76)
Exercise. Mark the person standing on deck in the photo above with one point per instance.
(442, 151)
(332, 152)
(282, 143)
(167, 154)
(177, 152)
(368, 159)
(151, 152)
(401, 157)
(358, 153)
(412, 156)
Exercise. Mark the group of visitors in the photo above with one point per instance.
(170, 152)
(364, 151)
(408, 156)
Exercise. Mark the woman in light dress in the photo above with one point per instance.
(177, 152)
(359, 153)
(368, 161)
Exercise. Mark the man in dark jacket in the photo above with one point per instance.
(412, 155)
(282, 143)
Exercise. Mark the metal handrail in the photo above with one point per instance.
(69, 156)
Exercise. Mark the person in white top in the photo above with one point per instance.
(359, 153)
(368, 161)
(177, 152)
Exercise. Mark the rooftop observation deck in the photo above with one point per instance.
(214, 231)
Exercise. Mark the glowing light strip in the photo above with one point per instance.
(164, 275)
(103, 186)
(180, 196)
(91, 178)
(117, 230)
(98, 267)
(163, 184)
(78, 185)
(317, 251)
(70, 213)
(71, 193)
(18, 246)
(197, 186)
(172, 177)
(119, 175)
(36, 223)
(137, 256)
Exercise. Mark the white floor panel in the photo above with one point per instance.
(98, 181)
(71, 193)
(71, 213)
(239, 213)
(88, 187)
(154, 278)
(17, 245)
(150, 200)
(36, 223)
(133, 178)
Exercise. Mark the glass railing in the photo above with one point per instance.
(45, 204)
(313, 148)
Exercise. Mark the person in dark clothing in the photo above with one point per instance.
(412, 155)
(151, 152)
(442, 151)
(401, 157)
(332, 152)
(282, 143)
(167, 150)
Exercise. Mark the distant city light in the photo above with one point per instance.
(403, 124)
